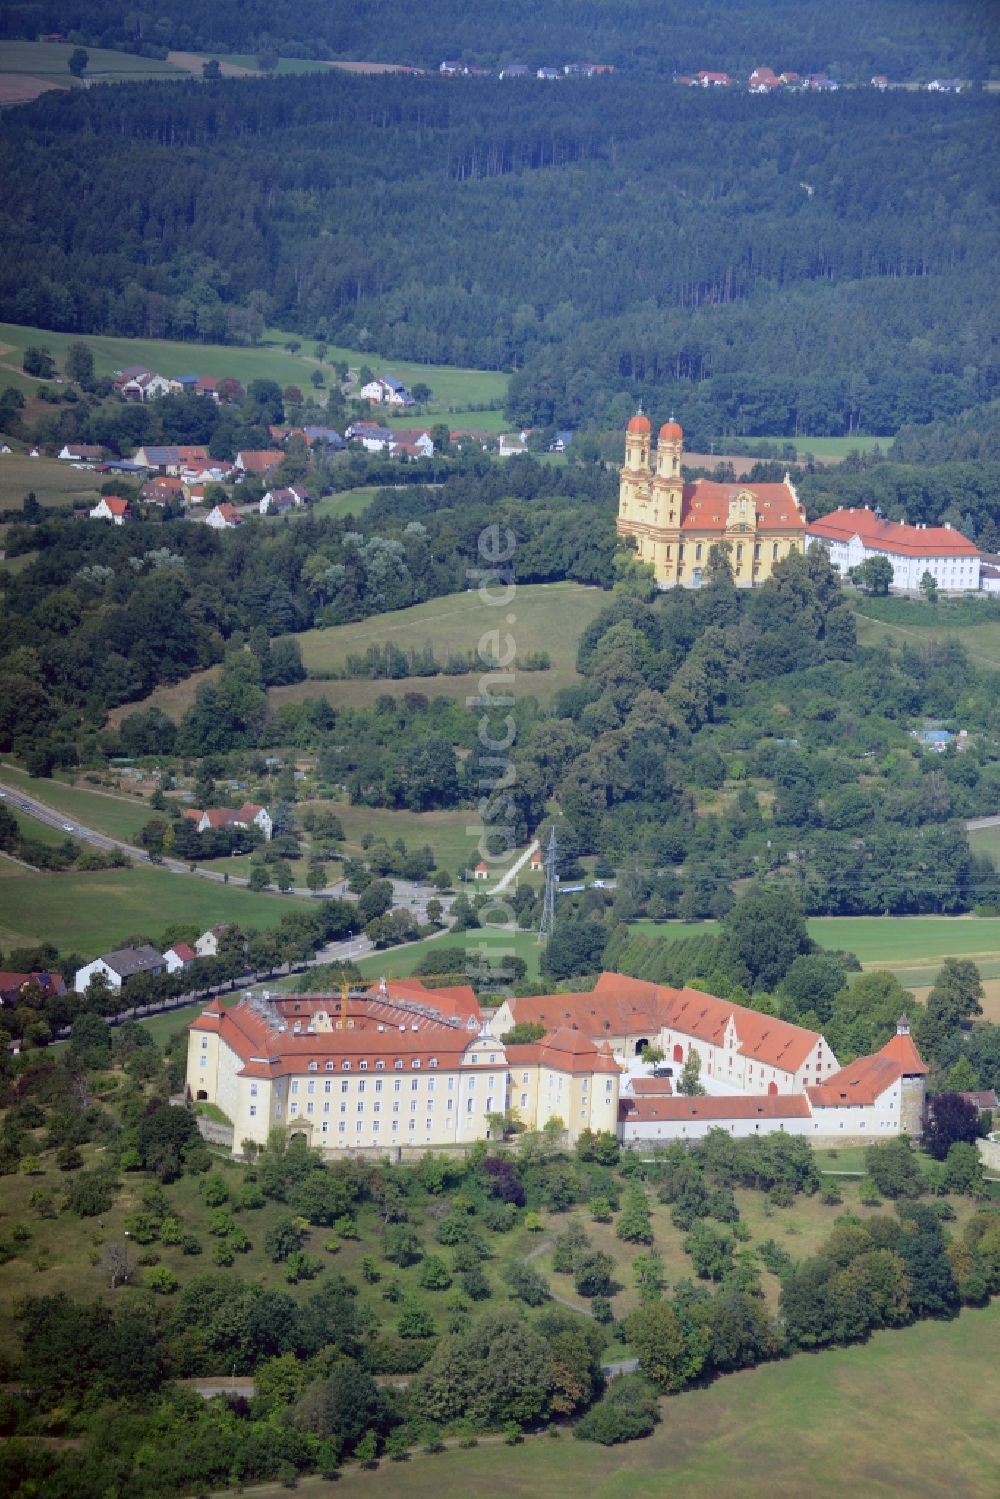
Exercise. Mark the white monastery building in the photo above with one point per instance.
(853, 535)
(405, 1065)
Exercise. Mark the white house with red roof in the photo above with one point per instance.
(224, 517)
(674, 525)
(251, 814)
(180, 956)
(853, 535)
(112, 508)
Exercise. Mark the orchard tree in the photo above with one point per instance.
(79, 362)
(78, 60)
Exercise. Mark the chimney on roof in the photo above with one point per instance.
(947, 525)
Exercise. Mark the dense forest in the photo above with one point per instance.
(803, 264)
(904, 38)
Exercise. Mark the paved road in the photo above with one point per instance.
(974, 823)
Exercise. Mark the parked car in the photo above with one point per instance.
(663, 1072)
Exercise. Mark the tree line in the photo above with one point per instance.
(788, 216)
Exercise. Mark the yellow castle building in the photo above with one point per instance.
(675, 524)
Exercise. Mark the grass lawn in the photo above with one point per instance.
(350, 502)
(443, 831)
(981, 641)
(105, 812)
(548, 617)
(496, 941)
(865, 1420)
(49, 61)
(91, 913)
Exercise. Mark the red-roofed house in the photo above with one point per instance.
(853, 535)
(111, 507)
(224, 517)
(16, 988)
(763, 81)
(181, 955)
(675, 524)
(251, 814)
(259, 461)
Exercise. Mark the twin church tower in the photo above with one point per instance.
(675, 524)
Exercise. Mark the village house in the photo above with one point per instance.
(853, 535)
(281, 501)
(207, 945)
(19, 988)
(81, 452)
(161, 490)
(224, 517)
(386, 391)
(412, 441)
(120, 966)
(481, 871)
(112, 508)
(675, 524)
(179, 957)
(251, 814)
(763, 81)
(713, 80)
(258, 461)
(169, 459)
(144, 385)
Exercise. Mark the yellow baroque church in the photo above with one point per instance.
(675, 524)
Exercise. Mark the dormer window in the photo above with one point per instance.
(363, 1066)
(380, 1065)
(345, 1066)
(313, 1066)
(398, 1064)
(415, 1062)
(329, 1066)
(433, 1062)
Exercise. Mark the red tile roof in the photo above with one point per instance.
(564, 1051)
(770, 1106)
(260, 460)
(375, 1030)
(705, 506)
(865, 1080)
(652, 1087)
(892, 536)
(183, 951)
(619, 1006)
(115, 504)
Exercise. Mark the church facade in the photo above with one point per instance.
(675, 524)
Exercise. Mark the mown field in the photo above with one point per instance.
(910, 1412)
(92, 913)
(546, 616)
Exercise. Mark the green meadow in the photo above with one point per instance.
(541, 617)
(910, 1412)
(454, 390)
(819, 447)
(92, 913)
